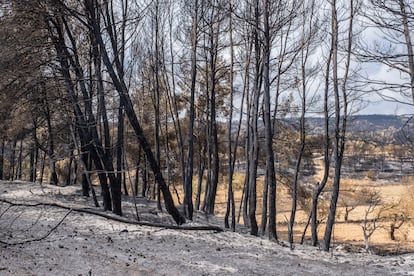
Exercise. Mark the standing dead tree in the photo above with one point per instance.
(372, 214)
(115, 73)
(397, 221)
(341, 95)
(188, 185)
(309, 26)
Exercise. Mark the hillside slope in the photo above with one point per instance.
(87, 244)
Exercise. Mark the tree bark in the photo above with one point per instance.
(20, 161)
(340, 118)
(213, 139)
(201, 169)
(232, 146)
(51, 142)
(85, 127)
(2, 160)
(188, 185)
(270, 158)
(320, 186)
(254, 143)
(32, 167)
(85, 159)
(335, 190)
(120, 148)
(12, 169)
(408, 44)
(125, 100)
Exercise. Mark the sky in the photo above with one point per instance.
(379, 106)
(391, 42)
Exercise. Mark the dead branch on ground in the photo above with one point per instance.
(39, 238)
(118, 218)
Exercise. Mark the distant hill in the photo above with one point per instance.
(376, 122)
(364, 123)
(387, 128)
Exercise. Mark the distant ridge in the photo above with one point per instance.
(361, 123)
(357, 124)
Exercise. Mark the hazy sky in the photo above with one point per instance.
(376, 104)
(379, 106)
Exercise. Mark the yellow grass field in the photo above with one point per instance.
(396, 194)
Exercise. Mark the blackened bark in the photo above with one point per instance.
(335, 191)
(86, 130)
(144, 190)
(20, 161)
(213, 139)
(85, 160)
(201, 168)
(320, 186)
(265, 203)
(2, 160)
(408, 42)
(99, 154)
(51, 142)
(270, 158)
(254, 142)
(69, 167)
(120, 148)
(157, 92)
(169, 203)
(136, 180)
(125, 100)
(32, 168)
(230, 206)
(42, 167)
(87, 168)
(341, 114)
(13, 159)
(188, 185)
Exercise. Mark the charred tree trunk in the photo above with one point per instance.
(341, 114)
(172, 98)
(232, 147)
(120, 148)
(86, 127)
(51, 140)
(244, 204)
(12, 169)
(201, 168)
(20, 161)
(85, 158)
(270, 157)
(42, 167)
(320, 186)
(2, 160)
(85, 161)
(188, 185)
(254, 143)
(213, 139)
(32, 165)
(136, 180)
(125, 100)
(103, 153)
(265, 204)
(144, 191)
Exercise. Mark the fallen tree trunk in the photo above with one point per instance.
(115, 217)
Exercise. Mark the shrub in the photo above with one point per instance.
(371, 174)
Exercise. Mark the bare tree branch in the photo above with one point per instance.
(39, 238)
